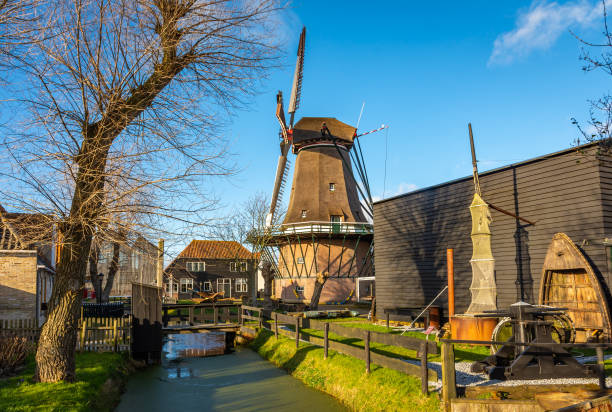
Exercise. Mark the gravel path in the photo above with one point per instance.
(464, 377)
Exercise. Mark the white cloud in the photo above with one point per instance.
(541, 25)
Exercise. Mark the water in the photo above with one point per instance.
(240, 381)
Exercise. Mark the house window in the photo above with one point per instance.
(207, 286)
(300, 260)
(175, 287)
(186, 285)
(332, 187)
(241, 285)
(244, 266)
(335, 218)
(233, 267)
(299, 289)
(303, 212)
(196, 266)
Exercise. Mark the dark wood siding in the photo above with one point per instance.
(560, 193)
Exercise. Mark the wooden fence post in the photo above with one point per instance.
(191, 312)
(260, 318)
(424, 372)
(115, 337)
(602, 370)
(297, 332)
(387, 320)
(326, 340)
(276, 325)
(83, 329)
(367, 350)
(215, 314)
(449, 389)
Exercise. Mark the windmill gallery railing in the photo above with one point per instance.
(358, 228)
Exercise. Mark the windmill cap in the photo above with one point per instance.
(309, 129)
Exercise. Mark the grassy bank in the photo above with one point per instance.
(344, 377)
(100, 379)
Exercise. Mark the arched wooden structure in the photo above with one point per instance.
(568, 281)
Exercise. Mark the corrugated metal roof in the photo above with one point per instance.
(215, 249)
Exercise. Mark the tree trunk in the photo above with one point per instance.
(268, 277)
(57, 342)
(93, 269)
(316, 294)
(112, 271)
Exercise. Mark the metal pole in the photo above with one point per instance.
(451, 282)
(474, 164)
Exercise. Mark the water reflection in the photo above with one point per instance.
(193, 345)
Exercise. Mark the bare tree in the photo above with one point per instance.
(598, 56)
(121, 122)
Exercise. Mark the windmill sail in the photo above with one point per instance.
(296, 89)
(281, 167)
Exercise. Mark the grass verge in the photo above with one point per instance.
(99, 384)
(344, 377)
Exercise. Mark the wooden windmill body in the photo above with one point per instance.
(324, 238)
(324, 233)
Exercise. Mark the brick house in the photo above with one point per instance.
(211, 266)
(27, 265)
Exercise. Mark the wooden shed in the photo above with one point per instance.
(568, 191)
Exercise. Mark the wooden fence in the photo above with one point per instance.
(422, 347)
(25, 328)
(201, 313)
(104, 334)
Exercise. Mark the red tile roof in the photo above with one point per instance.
(216, 249)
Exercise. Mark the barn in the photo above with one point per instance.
(568, 191)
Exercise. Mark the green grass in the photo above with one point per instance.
(20, 393)
(344, 377)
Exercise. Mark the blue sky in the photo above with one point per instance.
(512, 69)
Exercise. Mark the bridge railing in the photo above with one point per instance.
(201, 313)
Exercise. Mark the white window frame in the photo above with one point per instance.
(196, 266)
(244, 266)
(175, 287)
(299, 289)
(186, 284)
(304, 212)
(332, 187)
(207, 286)
(241, 284)
(300, 260)
(233, 267)
(224, 281)
(340, 218)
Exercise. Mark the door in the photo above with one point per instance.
(225, 285)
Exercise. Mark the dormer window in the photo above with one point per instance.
(332, 187)
(303, 213)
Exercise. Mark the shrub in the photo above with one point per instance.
(13, 353)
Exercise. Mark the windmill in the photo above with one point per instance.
(326, 234)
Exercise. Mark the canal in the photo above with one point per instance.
(238, 381)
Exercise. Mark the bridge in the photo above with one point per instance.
(202, 317)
